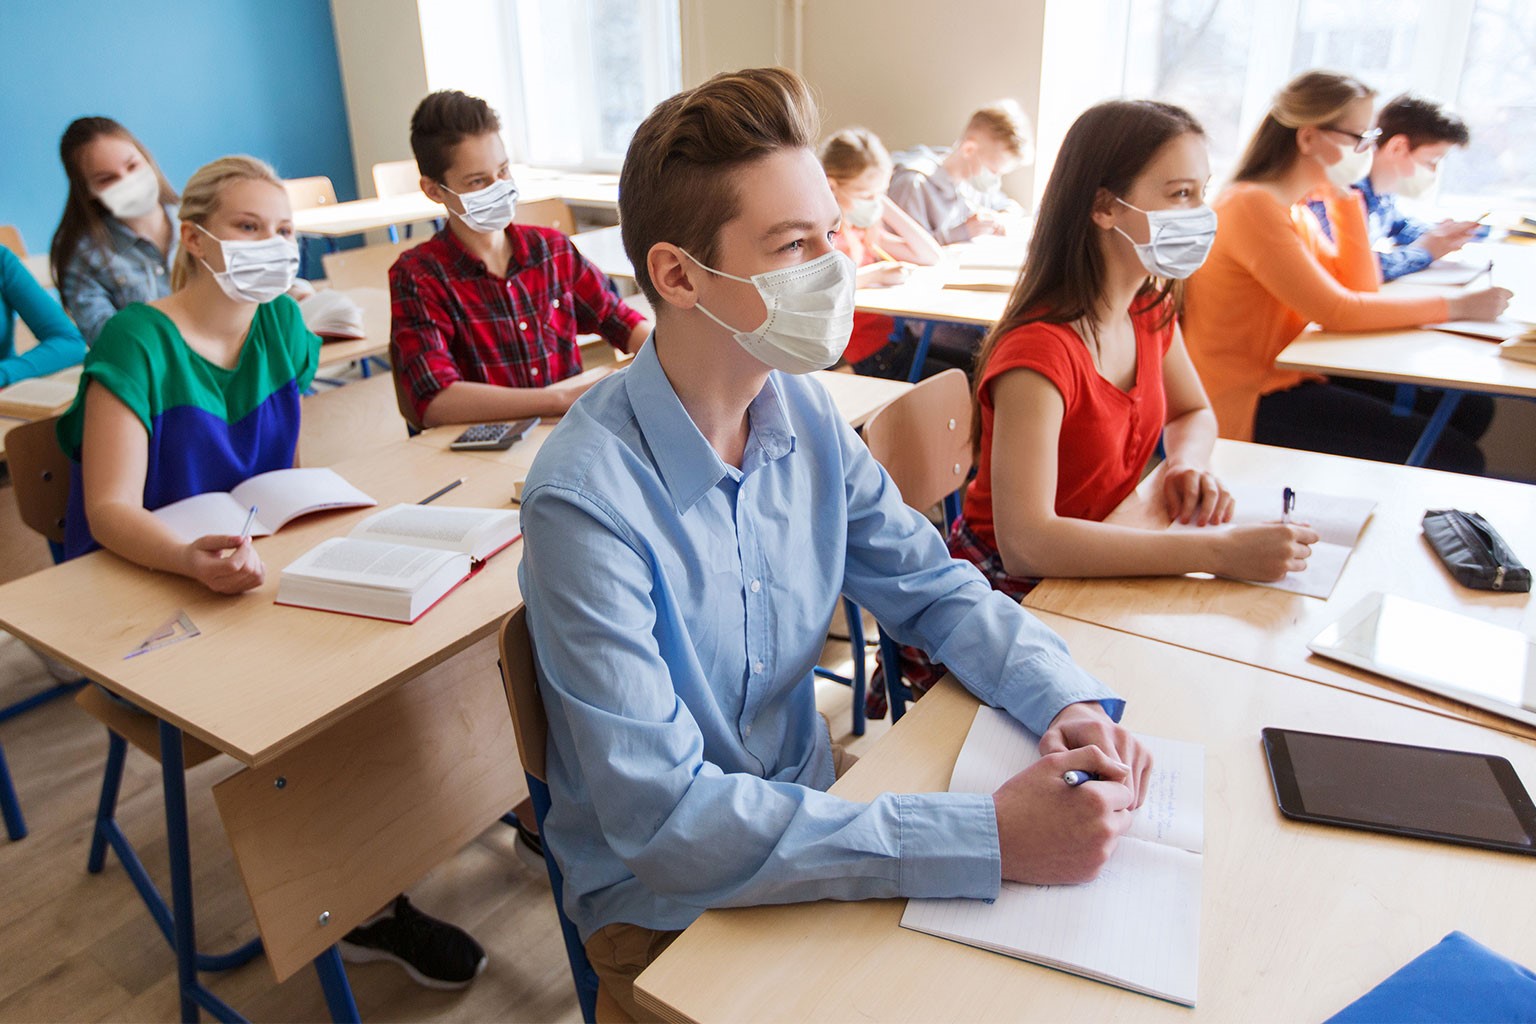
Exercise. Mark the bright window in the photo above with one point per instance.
(1224, 59)
(571, 78)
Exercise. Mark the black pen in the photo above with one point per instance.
(1287, 504)
(429, 499)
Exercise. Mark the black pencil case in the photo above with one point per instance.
(1474, 552)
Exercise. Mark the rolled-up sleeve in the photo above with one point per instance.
(599, 310)
(604, 623)
(418, 342)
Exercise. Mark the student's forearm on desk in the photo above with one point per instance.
(1189, 439)
(1057, 546)
(133, 532)
(472, 402)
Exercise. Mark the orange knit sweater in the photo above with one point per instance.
(1270, 273)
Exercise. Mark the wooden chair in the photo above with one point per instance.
(532, 729)
(308, 193)
(396, 178)
(547, 213)
(923, 439)
(367, 267)
(10, 237)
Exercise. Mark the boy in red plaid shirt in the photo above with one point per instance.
(485, 314)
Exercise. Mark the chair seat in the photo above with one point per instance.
(138, 728)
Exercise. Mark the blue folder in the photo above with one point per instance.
(1457, 980)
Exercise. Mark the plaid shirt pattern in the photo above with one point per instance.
(452, 320)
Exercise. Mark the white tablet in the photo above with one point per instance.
(1487, 666)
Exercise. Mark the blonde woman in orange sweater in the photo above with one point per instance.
(1272, 271)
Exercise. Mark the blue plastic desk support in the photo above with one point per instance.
(1432, 430)
(10, 807)
(857, 682)
(177, 922)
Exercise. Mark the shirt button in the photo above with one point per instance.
(533, 371)
(757, 667)
(746, 733)
(522, 325)
(557, 303)
(159, 271)
(757, 585)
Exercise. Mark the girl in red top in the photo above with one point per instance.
(1087, 369)
(881, 239)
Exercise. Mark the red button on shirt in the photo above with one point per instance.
(452, 321)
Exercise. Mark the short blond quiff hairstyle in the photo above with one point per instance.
(200, 200)
(1005, 121)
(677, 183)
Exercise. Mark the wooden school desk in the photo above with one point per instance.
(1422, 358)
(604, 248)
(1270, 628)
(374, 303)
(393, 752)
(1297, 920)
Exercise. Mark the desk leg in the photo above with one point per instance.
(338, 991)
(855, 618)
(1433, 429)
(10, 807)
(183, 926)
(1403, 399)
(920, 354)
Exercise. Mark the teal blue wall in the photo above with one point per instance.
(193, 79)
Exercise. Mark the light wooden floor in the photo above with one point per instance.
(77, 947)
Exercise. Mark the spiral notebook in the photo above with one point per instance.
(1137, 925)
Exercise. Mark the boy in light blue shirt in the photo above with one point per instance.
(689, 528)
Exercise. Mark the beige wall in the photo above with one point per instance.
(909, 70)
(383, 76)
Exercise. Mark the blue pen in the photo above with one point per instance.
(1287, 504)
(1077, 778)
(250, 517)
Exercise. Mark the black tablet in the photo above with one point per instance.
(1451, 795)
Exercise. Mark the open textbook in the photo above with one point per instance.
(1338, 521)
(1138, 924)
(397, 563)
(279, 496)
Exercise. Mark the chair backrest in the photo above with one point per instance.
(923, 438)
(547, 213)
(11, 239)
(40, 472)
(396, 178)
(307, 193)
(367, 267)
(529, 724)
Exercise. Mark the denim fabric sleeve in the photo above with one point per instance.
(603, 617)
(1404, 260)
(899, 568)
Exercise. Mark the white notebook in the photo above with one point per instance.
(1337, 519)
(1138, 924)
(280, 496)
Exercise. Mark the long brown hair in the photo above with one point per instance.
(1311, 98)
(1063, 276)
(83, 212)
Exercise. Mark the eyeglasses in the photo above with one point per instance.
(1364, 142)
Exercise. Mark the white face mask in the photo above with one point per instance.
(490, 209)
(1180, 240)
(256, 270)
(1352, 166)
(1419, 182)
(864, 213)
(810, 313)
(985, 181)
(135, 194)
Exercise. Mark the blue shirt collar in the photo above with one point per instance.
(689, 466)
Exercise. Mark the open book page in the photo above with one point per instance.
(1451, 272)
(285, 494)
(478, 532)
(998, 747)
(1138, 923)
(1337, 519)
(209, 513)
(371, 564)
(1501, 329)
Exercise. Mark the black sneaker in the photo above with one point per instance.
(434, 953)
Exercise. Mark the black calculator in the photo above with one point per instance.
(493, 437)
